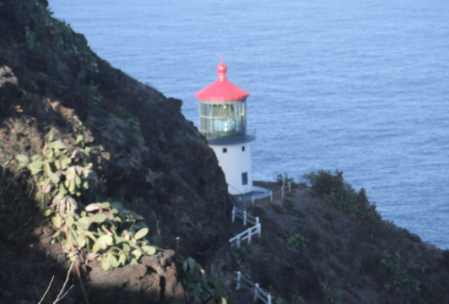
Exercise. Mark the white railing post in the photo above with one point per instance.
(244, 218)
(269, 299)
(271, 196)
(282, 191)
(233, 214)
(239, 275)
(249, 236)
(256, 292)
(289, 186)
(258, 225)
(253, 200)
(238, 241)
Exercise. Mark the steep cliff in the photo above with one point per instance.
(143, 150)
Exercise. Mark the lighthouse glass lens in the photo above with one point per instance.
(223, 119)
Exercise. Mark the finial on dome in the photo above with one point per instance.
(221, 68)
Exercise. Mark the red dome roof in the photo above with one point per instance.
(222, 89)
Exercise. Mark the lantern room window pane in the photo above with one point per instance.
(223, 120)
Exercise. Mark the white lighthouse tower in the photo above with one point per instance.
(223, 123)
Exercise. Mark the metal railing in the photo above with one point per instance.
(253, 287)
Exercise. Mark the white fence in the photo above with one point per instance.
(247, 234)
(253, 287)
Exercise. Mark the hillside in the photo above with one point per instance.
(142, 149)
(324, 243)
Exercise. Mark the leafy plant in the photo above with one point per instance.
(395, 271)
(329, 294)
(339, 194)
(295, 239)
(58, 32)
(238, 253)
(199, 289)
(55, 172)
(106, 231)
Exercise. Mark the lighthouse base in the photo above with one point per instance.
(235, 161)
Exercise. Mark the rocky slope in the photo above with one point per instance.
(143, 150)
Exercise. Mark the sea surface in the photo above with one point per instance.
(356, 85)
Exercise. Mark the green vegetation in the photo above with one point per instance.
(295, 239)
(238, 254)
(395, 272)
(107, 231)
(200, 290)
(47, 29)
(329, 294)
(339, 194)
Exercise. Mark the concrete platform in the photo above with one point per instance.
(257, 193)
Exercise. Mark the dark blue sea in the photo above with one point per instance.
(356, 85)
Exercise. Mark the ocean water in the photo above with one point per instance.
(359, 86)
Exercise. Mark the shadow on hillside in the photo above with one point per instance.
(27, 268)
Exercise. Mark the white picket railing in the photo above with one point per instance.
(247, 218)
(253, 287)
(247, 234)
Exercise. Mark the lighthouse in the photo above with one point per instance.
(222, 111)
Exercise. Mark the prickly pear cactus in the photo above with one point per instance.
(105, 231)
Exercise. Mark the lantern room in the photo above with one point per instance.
(223, 120)
(223, 110)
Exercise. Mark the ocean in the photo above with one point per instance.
(358, 86)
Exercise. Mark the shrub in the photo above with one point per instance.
(339, 194)
(331, 296)
(395, 272)
(295, 239)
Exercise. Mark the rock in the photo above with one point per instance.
(415, 238)
(6, 294)
(153, 280)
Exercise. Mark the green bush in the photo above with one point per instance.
(331, 296)
(58, 33)
(295, 239)
(339, 194)
(395, 272)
